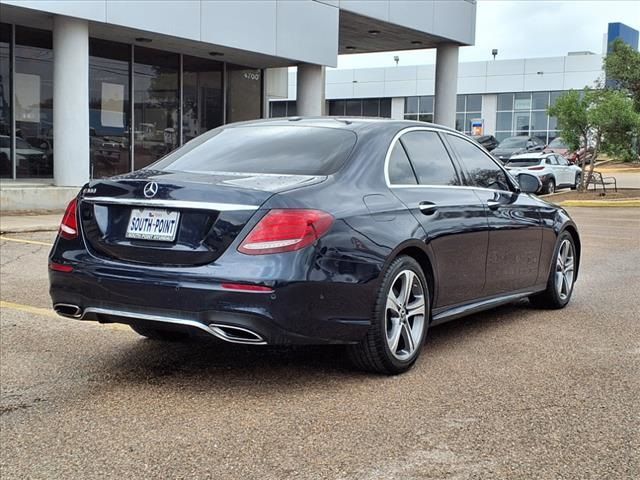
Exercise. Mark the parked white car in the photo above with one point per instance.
(553, 170)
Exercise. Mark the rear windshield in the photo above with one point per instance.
(523, 162)
(514, 142)
(271, 149)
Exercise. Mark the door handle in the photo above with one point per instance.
(493, 204)
(427, 208)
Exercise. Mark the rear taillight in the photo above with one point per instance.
(60, 267)
(536, 168)
(286, 231)
(69, 225)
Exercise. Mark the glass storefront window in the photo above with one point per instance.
(505, 102)
(474, 103)
(460, 102)
(385, 107)
(521, 123)
(156, 102)
(109, 108)
(540, 100)
(539, 120)
(371, 107)
(244, 93)
(504, 121)
(354, 108)
(411, 105)
(33, 103)
(426, 104)
(522, 101)
(202, 106)
(6, 168)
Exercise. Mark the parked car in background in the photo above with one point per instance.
(312, 231)
(487, 141)
(553, 170)
(30, 161)
(574, 157)
(516, 145)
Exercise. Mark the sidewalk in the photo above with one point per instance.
(29, 223)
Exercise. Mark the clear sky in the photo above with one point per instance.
(524, 29)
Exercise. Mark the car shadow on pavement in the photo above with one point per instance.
(212, 362)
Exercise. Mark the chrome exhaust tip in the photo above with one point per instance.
(68, 310)
(233, 334)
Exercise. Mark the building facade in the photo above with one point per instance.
(498, 97)
(95, 88)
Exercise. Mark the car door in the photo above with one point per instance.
(515, 233)
(558, 172)
(423, 176)
(568, 177)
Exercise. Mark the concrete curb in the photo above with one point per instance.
(29, 229)
(600, 203)
(29, 223)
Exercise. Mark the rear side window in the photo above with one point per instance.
(429, 158)
(551, 160)
(400, 170)
(483, 171)
(270, 149)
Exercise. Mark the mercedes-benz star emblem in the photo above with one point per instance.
(150, 189)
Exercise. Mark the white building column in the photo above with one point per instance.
(310, 97)
(446, 84)
(70, 101)
(397, 108)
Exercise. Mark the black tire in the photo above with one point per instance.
(373, 353)
(577, 181)
(158, 334)
(550, 187)
(551, 298)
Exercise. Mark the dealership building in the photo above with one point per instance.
(94, 88)
(496, 97)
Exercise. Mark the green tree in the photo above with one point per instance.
(622, 66)
(602, 120)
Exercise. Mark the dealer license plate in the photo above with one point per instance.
(152, 224)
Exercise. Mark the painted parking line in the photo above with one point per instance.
(21, 240)
(46, 312)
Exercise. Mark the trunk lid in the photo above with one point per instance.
(209, 211)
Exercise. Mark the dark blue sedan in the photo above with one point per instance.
(312, 231)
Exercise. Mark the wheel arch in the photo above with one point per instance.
(416, 250)
(573, 231)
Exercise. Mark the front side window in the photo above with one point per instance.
(430, 159)
(400, 169)
(483, 171)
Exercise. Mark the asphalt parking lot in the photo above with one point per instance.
(511, 393)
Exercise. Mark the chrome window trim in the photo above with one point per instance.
(159, 203)
(437, 130)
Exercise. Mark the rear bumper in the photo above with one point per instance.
(301, 312)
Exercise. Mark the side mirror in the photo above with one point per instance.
(529, 183)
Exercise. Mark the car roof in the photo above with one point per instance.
(349, 123)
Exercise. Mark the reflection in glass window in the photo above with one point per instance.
(539, 120)
(33, 103)
(426, 104)
(109, 108)
(354, 108)
(540, 100)
(474, 103)
(411, 105)
(505, 101)
(429, 158)
(201, 96)
(6, 168)
(400, 169)
(483, 170)
(460, 102)
(370, 107)
(522, 101)
(156, 126)
(504, 121)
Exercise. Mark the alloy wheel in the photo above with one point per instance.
(565, 269)
(405, 315)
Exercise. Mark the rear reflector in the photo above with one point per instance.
(59, 267)
(69, 225)
(285, 231)
(536, 168)
(244, 287)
